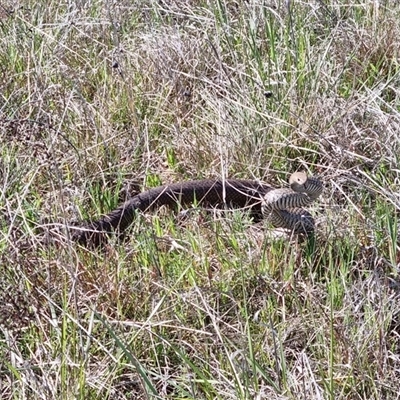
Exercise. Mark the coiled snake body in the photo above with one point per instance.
(281, 206)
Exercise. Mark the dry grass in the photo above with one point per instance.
(101, 100)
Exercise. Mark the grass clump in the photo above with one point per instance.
(100, 101)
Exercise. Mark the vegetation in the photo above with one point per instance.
(100, 100)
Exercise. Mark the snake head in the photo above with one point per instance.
(297, 182)
(301, 183)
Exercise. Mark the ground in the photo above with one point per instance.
(101, 100)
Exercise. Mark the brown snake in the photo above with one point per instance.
(281, 206)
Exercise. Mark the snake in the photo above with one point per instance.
(283, 207)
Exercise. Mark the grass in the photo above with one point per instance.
(100, 101)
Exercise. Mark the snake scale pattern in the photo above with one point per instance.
(282, 207)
